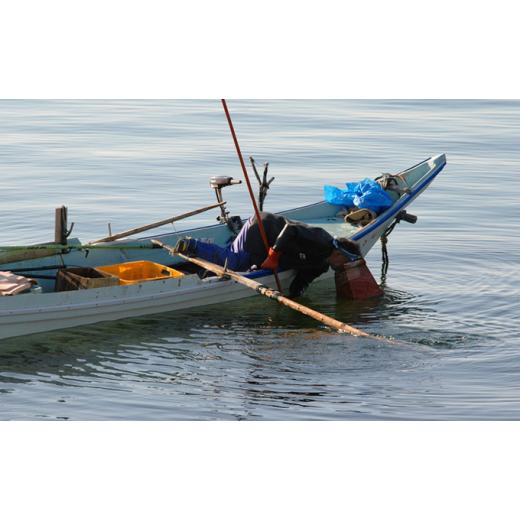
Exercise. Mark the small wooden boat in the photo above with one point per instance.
(30, 313)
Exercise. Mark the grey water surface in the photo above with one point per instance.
(452, 289)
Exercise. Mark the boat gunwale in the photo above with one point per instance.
(113, 300)
(432, 174)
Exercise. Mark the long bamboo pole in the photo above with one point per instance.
(272, 294)
(59, 247)
(154, 225)
(249, 188)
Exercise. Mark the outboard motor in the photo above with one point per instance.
(234, 223)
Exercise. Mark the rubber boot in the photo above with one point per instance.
(355, 282)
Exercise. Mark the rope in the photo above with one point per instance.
(384, 248)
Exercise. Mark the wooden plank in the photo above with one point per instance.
(153, 225)
(21, 255)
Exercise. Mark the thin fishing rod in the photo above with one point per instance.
(250, 189)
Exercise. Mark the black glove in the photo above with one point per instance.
(298, 287)
(186, 246)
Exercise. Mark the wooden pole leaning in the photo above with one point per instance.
(249, 188)
(154, 225)
(56, 248)
(272, 294)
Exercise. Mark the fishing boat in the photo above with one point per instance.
(50, 309)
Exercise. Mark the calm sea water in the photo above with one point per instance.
(452, 290)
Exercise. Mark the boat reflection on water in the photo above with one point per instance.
(219, 361)
(241, 360)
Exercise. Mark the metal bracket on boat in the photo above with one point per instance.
(224, 275)
(234, 223)
(61, 230)
(263, 182)
(407, 217)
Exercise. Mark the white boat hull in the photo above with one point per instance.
(33, 313)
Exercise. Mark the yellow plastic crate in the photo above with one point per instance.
(140, 271)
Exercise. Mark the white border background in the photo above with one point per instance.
(271, 49)
(331, 49)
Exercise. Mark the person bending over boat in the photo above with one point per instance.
(293, 245)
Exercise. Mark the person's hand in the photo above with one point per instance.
(272, 260)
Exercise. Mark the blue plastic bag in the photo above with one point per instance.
(366, 194)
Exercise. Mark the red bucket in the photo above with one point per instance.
(354, 281)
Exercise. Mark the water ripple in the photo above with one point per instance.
(452, 290)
